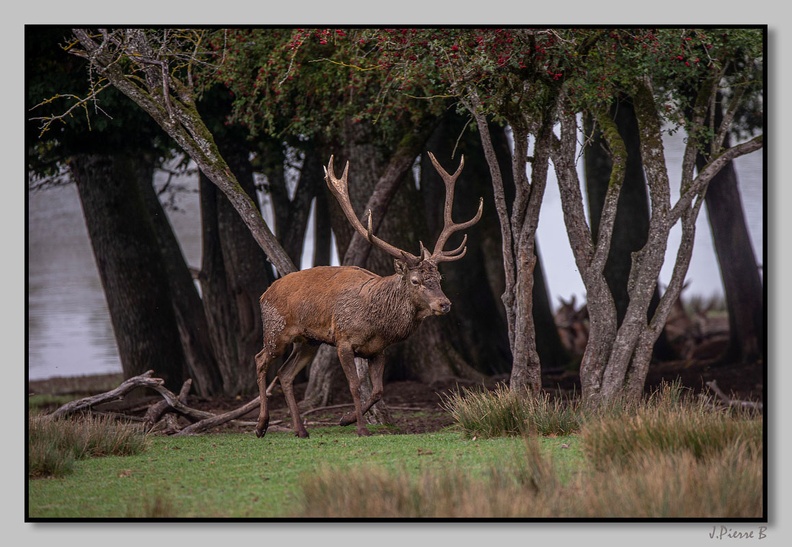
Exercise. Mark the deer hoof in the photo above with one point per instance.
(302, 434)
(363, 432)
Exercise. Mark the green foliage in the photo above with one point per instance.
(54, 445)
(299, 83)
(310, 81)
(680, 63)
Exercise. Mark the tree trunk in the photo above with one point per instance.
(551, 350)
(187, 304)
(175, 112)
(526, 367)
(616, 361)
(476, 313)
(632, 215)
(323, 238)
(742, 284)
(234, 275)
(518, 224)
(133, 274)
(292, 207)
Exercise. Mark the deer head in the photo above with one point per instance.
(419, 272)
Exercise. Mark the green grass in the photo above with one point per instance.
(240, 476)
(38, 403)
(671, 456)
(658, 484)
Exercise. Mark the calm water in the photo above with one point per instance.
(68, 325)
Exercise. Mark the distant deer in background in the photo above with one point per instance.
(573, 326)
(355, 310)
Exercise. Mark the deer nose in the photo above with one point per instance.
(445, 307)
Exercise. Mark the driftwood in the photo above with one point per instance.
(163, 409)
(86, 403)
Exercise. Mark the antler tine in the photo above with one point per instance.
(450, 227)
(340, 189)
(456, 254)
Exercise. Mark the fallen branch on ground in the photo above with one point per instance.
(165, 408)
(86, 403)
(729, 401)
(160, 415)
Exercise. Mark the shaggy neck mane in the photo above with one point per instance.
(394, 313)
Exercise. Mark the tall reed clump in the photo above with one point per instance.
(670, 420)
(674, 455)
(727, 484)
(503, 412)
(54, 445)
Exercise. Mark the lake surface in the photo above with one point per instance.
(69, 330)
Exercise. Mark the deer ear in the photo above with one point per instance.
(400, 266)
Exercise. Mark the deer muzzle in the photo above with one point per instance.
(441, 307)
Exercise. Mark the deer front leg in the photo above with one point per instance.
(300, 356)
(347, 358)
(376, 370)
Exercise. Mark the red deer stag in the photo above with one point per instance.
(358, 312)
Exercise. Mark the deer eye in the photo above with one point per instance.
(414, 281)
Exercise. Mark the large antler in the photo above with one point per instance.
(340, 190)
(449, 227)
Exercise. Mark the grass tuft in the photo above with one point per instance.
(671, 420)
(661, 484)
(504, 412)
(54, 445)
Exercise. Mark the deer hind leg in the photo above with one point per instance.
(263, 360)
(301, 355)
(275, 343)
(376, 369)
(347, 358)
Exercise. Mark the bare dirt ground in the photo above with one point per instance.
(415, 407)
